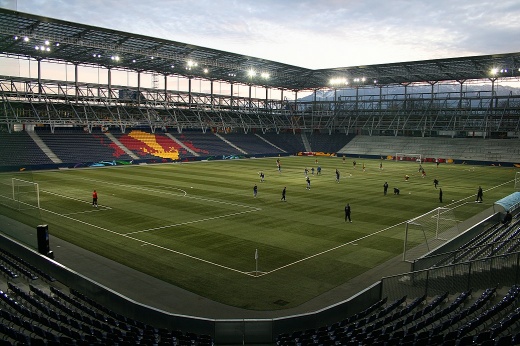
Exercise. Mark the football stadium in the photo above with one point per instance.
(236, 200)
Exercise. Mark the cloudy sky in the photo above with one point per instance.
(313, 34)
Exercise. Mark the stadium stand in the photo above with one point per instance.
(502, 150)
(208, 143)
(74, 145)
(150, 145)
(18, 148)
(328, 143)
(251, 144)
(38, 310)
(497, 239)
(291, 143)
(444, 319)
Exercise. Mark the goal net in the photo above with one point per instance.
(428, 231)
(517, 181)
(26, 194)
(408, 157)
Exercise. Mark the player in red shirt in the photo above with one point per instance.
(94, 199)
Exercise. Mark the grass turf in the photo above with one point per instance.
(197, 225)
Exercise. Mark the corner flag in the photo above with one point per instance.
(256, 254)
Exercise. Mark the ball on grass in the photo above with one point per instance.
(191, 187)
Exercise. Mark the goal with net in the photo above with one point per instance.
(26, 194)
(428, 231)
(408, 157)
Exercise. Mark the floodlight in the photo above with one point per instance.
(133, 60)
(251, 73)
(172, 66)
(206, 70)
(114, 57)
(26, 39)
(265, 75)
(57, 44)
(494, 71)
(338, 81)
(42, 48)
(37, 47)
(16, 37)
(47, 42)
(48, 49)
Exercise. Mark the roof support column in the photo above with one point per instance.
(109, 76)
(380, 101)
(211, 96)
(250, 103)
(461, 82)
(39, 77)
(189, 91)
(76, 78)
(231, 105)
(165, 89)
(138, 87)
(489, 116)
(266, 97)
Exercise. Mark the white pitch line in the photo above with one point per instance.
(364, 237)
(185, 194)
(74, 199)
(190, 222)
(147, 243)
(137, 187)
(352, 242)
(86, 212)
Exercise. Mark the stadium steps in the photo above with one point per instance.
(306, 143)
(194, 153)
(120, 145)
(50, 154)
(271, 144)
(231, 144)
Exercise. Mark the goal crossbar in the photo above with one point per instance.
(19, 184)
(408, 157)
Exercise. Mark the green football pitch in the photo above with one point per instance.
(198, 226)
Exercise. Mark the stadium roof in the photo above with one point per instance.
(28, 35)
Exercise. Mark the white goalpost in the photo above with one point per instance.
(408, 157)
(428, 231)
(25, 193)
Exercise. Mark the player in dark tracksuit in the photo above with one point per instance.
(347, 213)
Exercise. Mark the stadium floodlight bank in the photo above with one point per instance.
(408, 157)
(428, 231)
(26, 194)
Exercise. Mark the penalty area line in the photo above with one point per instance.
(352, 242)
(194, 221)
(148, 243)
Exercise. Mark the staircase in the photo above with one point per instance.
(306, 143)
(50, 154)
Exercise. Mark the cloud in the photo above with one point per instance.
(313, 34)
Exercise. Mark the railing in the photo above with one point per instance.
(503, 270)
